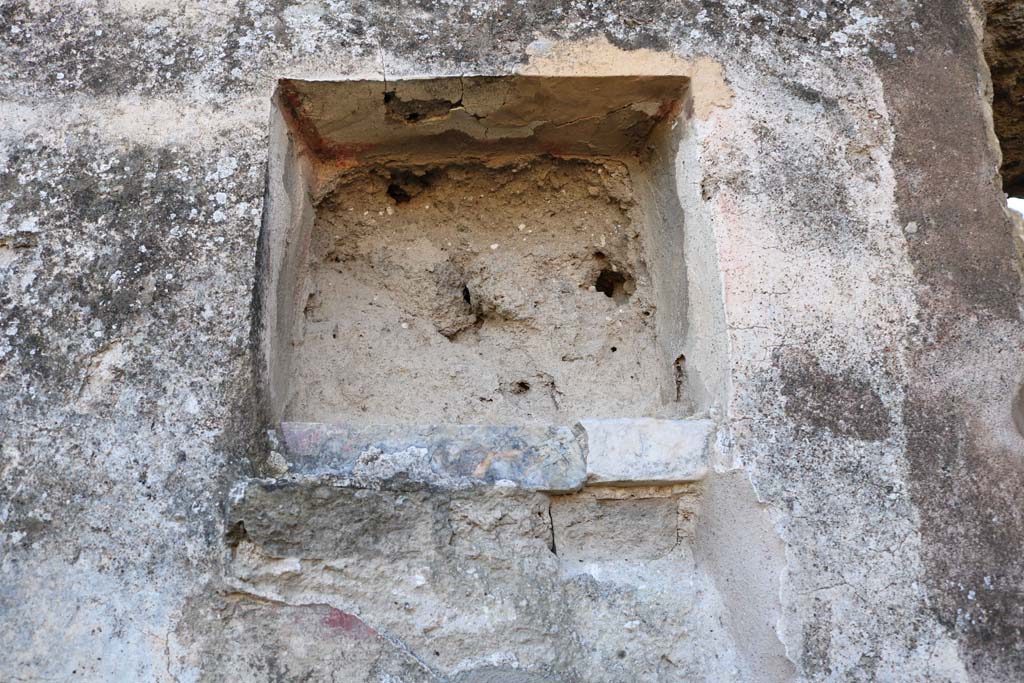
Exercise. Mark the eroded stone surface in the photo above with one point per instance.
(533, 457)
(472, 582)
(338, 646)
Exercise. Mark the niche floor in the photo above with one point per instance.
(497, 294)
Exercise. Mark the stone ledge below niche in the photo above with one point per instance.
(545, 458)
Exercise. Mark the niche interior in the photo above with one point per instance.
(485, 250)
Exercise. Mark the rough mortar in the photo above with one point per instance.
(474, 294)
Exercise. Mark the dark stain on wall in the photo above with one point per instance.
(842, 403)
(965, 489)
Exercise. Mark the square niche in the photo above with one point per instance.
(486, 250)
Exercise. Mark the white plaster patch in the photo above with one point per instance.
(646, 451)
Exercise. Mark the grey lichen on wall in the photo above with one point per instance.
(127, 405)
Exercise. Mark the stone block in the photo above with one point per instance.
(632, 452)
(592, 529)
(537, 458)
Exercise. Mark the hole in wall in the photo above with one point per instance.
(615, 285)
(398, 193)
(405, 185)
(416, 110)
(456, 260)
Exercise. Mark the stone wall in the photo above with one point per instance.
(859, 516)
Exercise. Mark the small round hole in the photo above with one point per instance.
(398, 193)
(615, 285)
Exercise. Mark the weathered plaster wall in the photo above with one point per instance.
(868, 285)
